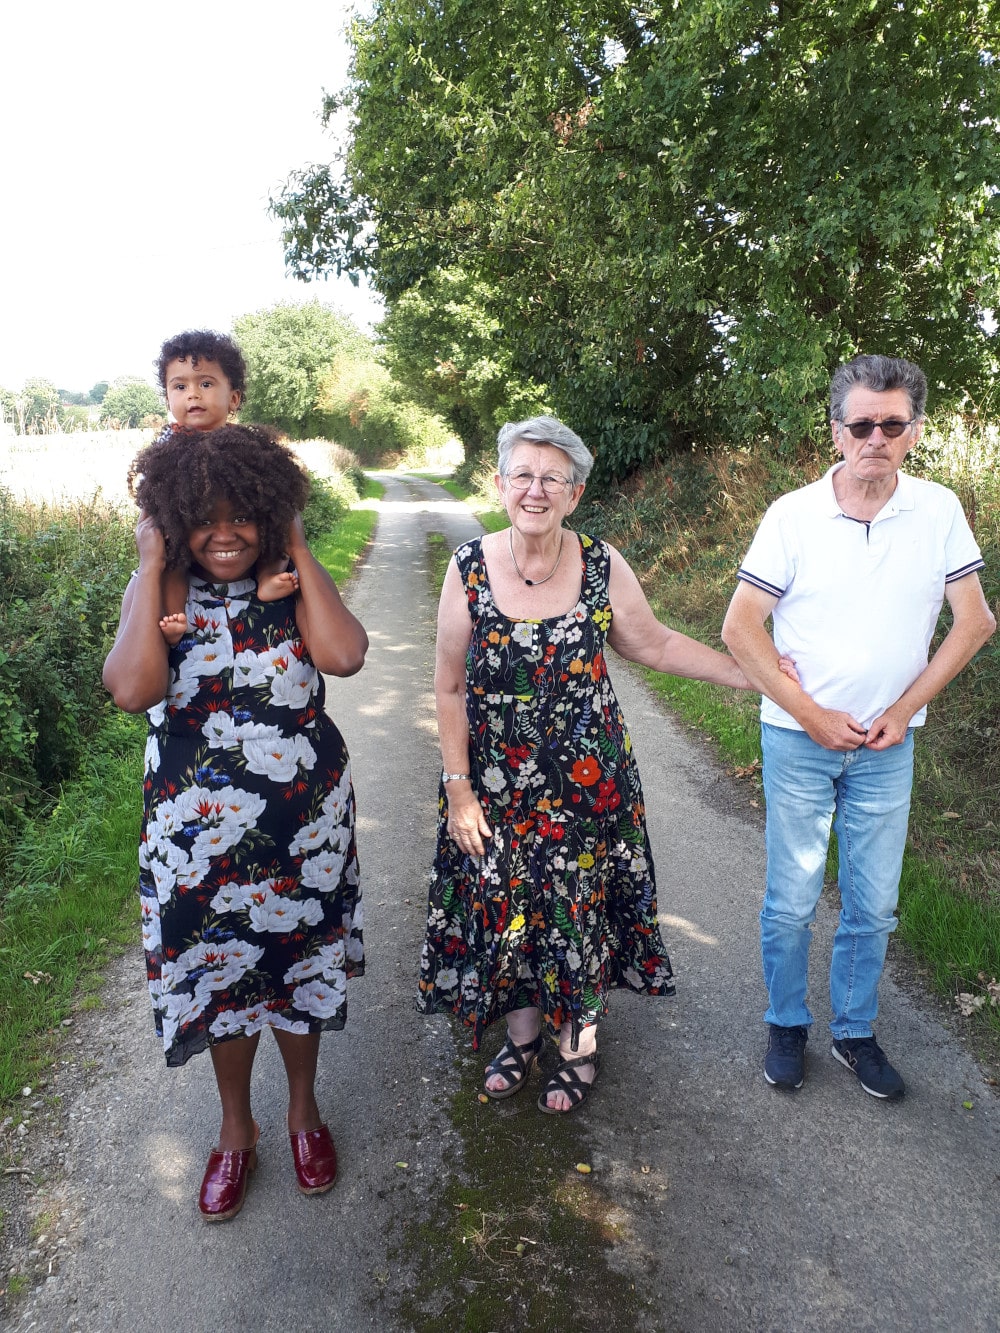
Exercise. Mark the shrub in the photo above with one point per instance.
(329, 500)
(62, 572)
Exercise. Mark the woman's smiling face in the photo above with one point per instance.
(225, 545)
(542, 504)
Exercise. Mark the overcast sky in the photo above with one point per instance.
(139, 147)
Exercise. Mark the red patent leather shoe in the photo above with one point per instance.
(315, 1160)
(224, 1186)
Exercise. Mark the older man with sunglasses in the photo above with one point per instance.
(853, 570)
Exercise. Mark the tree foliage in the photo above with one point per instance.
(677, 217)
(290, 350)
(441, 342)
(129, 401)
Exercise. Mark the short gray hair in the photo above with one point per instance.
(544, 430)
(878, 374)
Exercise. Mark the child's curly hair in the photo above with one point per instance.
(204, 345)
(178, 479)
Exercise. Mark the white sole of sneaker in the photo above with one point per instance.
(882, 1096)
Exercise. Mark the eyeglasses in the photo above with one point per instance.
(551, 484)
(891, 429)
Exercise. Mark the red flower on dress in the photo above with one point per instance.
(586, 771)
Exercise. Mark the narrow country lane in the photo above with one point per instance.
(724, 1205)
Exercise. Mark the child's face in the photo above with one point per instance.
(225, 545)
(200, 396)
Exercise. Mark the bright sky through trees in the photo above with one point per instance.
(141, 145)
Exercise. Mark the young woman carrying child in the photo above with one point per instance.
(248, 879)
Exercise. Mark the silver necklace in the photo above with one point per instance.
(533, 583)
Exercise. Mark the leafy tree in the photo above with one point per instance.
(96, 395)
(290, 350)
(680, 217)
(8, 406)
(129, 400)
(441, 342)
(365, 410)
(38, 405)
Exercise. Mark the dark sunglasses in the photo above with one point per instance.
(891, 429)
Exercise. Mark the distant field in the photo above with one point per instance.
(51, 469)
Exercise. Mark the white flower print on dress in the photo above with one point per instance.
(494, 779)
(151, 758)
(311, 837)
(320, 998)
(149, 912)
(182, 1007)
(208, 659)
(280, 915)
(279, 758)
(180, 691)
(295, 686)
(323, 870)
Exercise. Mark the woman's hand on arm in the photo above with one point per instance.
(335, 638)
(638, 636)
(467, 824)
(136, 671)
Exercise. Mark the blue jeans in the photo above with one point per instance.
(865, 794)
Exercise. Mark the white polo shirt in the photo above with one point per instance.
(858, 602)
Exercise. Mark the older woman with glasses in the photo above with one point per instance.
(542, 896)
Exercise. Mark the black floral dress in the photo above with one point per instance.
(248, 872)
(563, 905)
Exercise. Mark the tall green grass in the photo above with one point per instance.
(70, 906)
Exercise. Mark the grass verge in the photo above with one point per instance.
(70, 905)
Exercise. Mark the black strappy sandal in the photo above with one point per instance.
(514, 1064)
(567, 1080)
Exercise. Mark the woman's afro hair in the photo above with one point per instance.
(178, 479)
(196, 345)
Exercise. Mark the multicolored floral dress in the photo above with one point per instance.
(563, 905)
(248, 872)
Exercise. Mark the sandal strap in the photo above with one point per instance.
(593, 1059)
(565, 1078)
(509, 1063)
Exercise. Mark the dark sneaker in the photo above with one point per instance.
(785, 1061)
(867, 1059)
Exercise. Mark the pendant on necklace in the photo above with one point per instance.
(534, 583)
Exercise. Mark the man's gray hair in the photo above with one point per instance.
(878, 374)
(544, 430)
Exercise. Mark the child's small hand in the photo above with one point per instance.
(272, 587)
(174, 627)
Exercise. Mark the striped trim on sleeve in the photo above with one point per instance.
(747, 577)
(970, 568)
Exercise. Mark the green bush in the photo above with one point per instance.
(62, 572)
(329, 500)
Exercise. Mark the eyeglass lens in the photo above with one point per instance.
(551, 485)
(891, 429)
